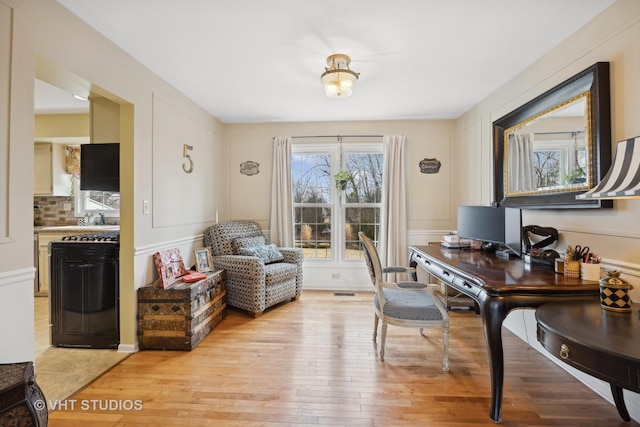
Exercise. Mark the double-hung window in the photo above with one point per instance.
(327, 218)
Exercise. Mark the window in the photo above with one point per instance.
(92, 203)
(327, 220)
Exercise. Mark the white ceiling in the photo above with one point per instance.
(261, 60)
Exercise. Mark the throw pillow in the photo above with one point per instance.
(269, 253)
(240, 243)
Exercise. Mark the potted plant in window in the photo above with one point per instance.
(576, 176)
(342, 179)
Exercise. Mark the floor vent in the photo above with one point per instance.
(344, 294)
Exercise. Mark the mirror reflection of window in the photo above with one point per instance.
(559, 154)
(547, 167)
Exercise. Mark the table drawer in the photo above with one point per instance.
(599, 364)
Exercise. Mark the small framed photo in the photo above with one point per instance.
(204, 264)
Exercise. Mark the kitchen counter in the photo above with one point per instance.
(74, 228)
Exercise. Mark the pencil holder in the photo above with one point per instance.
(590, 271)
(572, 269)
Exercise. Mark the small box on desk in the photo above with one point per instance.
(179, 317)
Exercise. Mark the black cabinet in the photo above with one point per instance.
(84, 294)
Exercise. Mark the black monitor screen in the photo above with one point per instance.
(513, 230)
(484, 223)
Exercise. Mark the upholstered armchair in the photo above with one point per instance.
(259, 275)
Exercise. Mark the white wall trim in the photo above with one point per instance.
(128, 348)
(153, 248)
(12, 277)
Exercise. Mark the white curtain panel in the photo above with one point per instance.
(281, 227)
(522, 174)
(392, 242)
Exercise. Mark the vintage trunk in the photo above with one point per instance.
(179, 317)
(22, 403)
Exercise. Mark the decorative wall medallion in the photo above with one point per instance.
(249, 168)
(430, 165)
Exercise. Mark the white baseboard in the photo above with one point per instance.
(128, 348)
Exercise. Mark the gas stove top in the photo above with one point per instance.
(102, 237)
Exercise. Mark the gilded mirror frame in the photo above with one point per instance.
(591, 84)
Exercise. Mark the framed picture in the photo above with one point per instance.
(204, 263)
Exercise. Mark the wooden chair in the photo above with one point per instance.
(408, 304)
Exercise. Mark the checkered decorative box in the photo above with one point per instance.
(614, 293)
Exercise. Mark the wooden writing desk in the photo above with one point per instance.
(498, 286)
(601, 343)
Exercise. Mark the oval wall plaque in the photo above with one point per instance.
(430, 165)
(249, 168)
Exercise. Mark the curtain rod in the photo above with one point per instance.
(572, 132)
(338, 136)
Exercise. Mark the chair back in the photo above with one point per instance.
(219, 237)
(371, 258)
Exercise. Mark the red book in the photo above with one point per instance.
(193, 277)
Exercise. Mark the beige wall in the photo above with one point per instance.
(612, 36)
(425, 138)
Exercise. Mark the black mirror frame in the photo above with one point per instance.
(594, 79)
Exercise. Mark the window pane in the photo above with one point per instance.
(547, 167)
(102, 200)
(313, 231)
(311, 177)
(359, 219)
(366, 169)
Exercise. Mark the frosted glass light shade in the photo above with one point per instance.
(338, 80)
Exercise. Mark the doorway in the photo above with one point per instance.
(63, 371)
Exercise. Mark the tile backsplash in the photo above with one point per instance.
(50, 211)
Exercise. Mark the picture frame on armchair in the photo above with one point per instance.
(204, 263)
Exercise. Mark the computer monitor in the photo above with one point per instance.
(492, 224)
(513, 230)
(486, 223)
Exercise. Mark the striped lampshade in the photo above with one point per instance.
(623, 179)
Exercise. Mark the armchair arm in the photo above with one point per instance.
(242, 266)
(292, 255)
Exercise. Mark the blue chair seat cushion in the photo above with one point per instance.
(408, 304)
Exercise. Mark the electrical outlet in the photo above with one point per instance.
(335, 276)
(146, 207)
(66, 206)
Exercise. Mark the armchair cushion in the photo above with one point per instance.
(268, 253)
(240, 243)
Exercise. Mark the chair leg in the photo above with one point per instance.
(375, 327)
(445, 340)
(384, 338)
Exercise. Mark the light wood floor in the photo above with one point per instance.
(312, 362)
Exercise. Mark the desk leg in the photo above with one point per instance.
(618, 398)
(493, 313)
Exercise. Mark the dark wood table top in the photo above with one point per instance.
(501, 276)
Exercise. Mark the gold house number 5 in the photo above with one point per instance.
(185, 149)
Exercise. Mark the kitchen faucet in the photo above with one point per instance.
(95, 217)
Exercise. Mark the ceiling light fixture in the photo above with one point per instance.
(338, 79)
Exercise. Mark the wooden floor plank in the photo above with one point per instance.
(312, 362)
